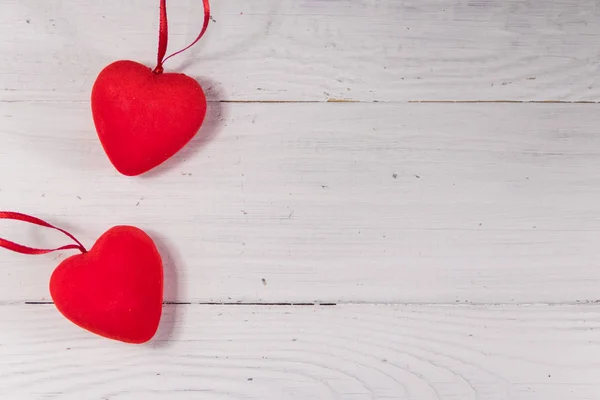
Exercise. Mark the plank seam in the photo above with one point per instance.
(331, 304)
(344, 101)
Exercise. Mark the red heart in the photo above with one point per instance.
(143, 118)
(116, 289)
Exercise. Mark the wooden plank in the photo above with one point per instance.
(383, 50)
(281, 353)
(344, 202)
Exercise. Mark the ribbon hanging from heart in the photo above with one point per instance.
(144, 116)
(114, 290)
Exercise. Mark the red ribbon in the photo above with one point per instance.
(163, 35)
(7, 244)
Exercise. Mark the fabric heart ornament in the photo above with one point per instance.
(142, 116)
(114, 290)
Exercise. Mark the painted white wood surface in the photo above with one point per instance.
(314, 49)
(342, 352)
(382, 200)
(329, 202)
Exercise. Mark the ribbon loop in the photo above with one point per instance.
(163, 35)
(7, 244)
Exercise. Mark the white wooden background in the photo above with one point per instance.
(389, 200)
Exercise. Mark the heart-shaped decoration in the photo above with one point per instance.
(143, 117)
(114, 290)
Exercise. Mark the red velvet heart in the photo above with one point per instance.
(143, 118)
(116, 289)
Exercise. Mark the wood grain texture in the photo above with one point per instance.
(281, 353)
(314, 49)
(434, 203)
(319, 178)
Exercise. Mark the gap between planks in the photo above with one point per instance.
(337, 101)
(346, 303)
